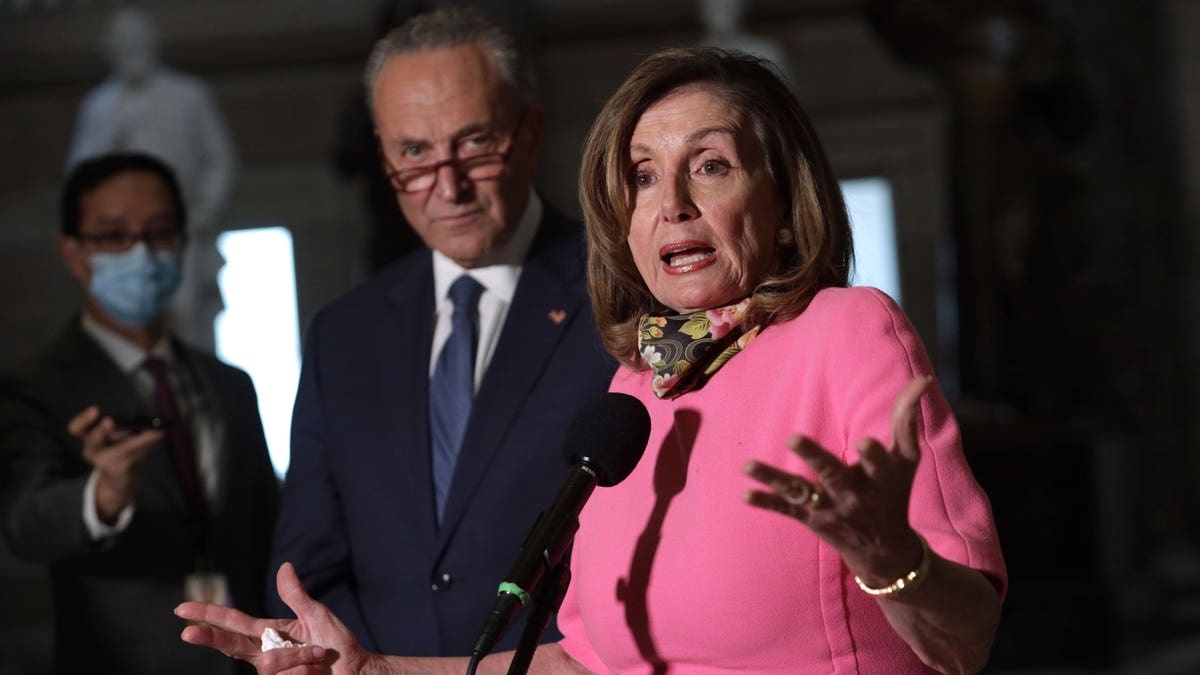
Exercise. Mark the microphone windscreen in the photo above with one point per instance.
(610, 434)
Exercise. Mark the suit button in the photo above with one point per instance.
(442, 581)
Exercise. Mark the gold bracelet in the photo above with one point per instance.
(906, 583)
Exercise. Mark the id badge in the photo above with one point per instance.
(210, 587)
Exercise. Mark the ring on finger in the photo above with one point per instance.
(814, 498)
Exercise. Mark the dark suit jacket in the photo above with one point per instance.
(114, 599)
(358, 511)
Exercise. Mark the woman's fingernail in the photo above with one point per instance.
(318, 652)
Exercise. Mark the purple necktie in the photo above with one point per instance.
(179, 437)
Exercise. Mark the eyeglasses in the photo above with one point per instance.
(477, 159)
(115, 241)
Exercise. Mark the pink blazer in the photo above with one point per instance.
(671, 568)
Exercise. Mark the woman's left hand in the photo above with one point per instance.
(861, 510)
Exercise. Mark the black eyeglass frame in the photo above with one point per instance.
(117, 241)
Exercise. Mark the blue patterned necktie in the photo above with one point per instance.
(452, 387)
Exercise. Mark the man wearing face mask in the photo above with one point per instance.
(145, 105)
(138, 468)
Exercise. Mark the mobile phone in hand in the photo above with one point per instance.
(138, 423)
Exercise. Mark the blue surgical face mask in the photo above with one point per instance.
(135, 286)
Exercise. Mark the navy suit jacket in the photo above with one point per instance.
(358, 510)
(113, 599)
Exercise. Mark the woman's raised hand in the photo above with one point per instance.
(860, 509)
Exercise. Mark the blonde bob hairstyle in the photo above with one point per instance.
(821, 252)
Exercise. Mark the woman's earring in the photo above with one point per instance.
(784, 236)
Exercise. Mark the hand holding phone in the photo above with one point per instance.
(115, 445)
(136, 423)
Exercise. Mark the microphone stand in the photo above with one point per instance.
(545, 606)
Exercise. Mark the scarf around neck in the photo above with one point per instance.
(684, 350)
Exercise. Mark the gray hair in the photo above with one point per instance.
(450, 27)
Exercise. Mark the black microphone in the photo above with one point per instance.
(604, 442)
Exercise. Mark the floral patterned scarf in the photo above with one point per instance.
(684, 350)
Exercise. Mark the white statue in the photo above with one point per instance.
(146, 106)
(723, 28)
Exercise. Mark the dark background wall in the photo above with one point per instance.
(1044, 159)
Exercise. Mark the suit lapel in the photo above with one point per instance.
(404, 340)
(543, 308)
(100, 380)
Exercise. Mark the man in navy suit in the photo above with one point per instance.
(403, 538)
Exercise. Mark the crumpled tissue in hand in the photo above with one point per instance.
(272, 640)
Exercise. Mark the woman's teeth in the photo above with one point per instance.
(677, 260)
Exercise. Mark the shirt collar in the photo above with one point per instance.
(127, 355)
(500, 277)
